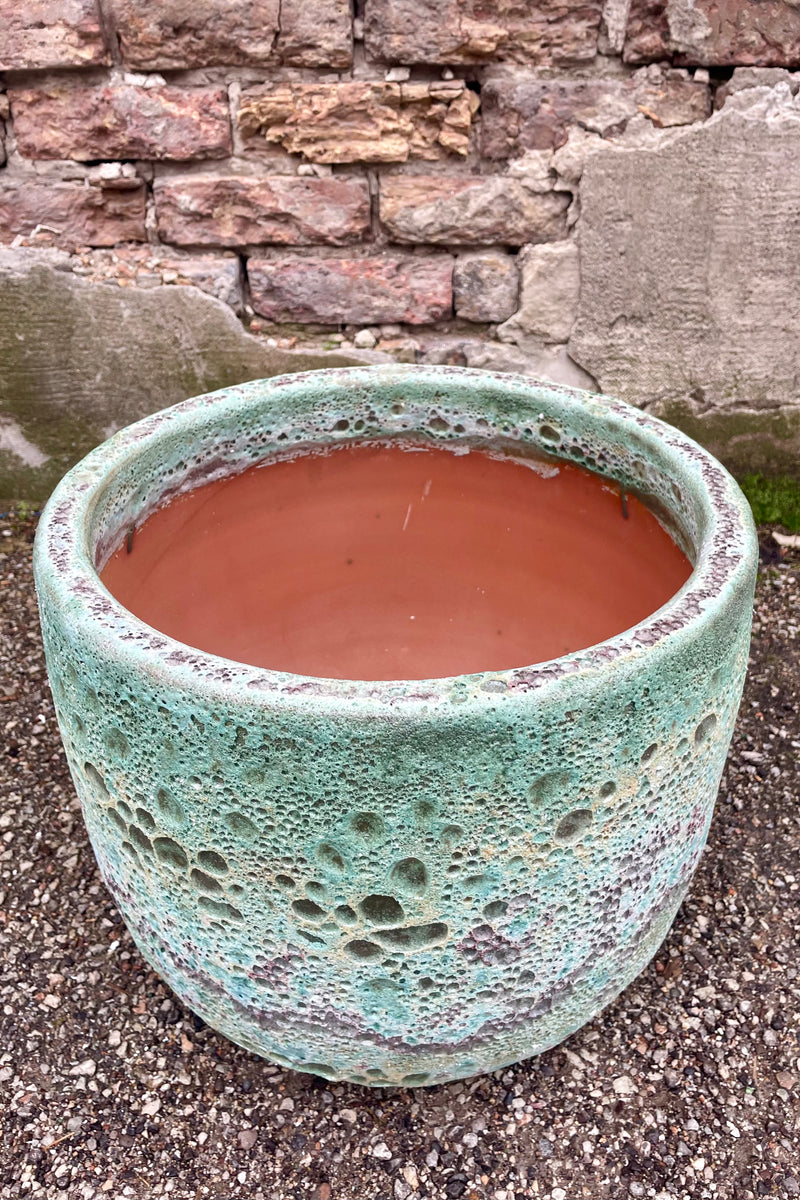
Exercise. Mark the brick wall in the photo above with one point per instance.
(404, 177)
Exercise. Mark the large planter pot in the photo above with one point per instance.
(397, 882)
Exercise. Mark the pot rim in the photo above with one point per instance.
(65, 571)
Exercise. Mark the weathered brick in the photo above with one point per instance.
(485, 286)
(362, 122)
(475, 210)
(475, 31)
(72, 119)
(534, 114)
(37, 34)
(714, 32)
(363, 291)
(670, 98)
(286, 210)
(172, 34)
(316, 33)
(74, 214)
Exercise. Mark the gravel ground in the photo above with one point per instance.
(686, 1087)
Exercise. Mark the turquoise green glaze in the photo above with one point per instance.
(397, 882)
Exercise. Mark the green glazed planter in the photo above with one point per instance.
(397, 882)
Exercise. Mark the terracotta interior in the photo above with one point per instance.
(398, 561)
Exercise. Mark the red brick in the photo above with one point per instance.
(76, 214)
(37, 34)
(363, 291)
(476, 31)
(536, 114)
(316, 33)
(73, 119)
(475, 210)
(171, 34)
(714, 32)
(286, 210)
(159, 35)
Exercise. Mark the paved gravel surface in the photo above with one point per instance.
(686, 1087)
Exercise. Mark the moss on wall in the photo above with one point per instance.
(774, 501)
(748, 442)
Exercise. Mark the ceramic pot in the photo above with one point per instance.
(397, 883)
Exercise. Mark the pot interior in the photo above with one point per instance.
(216, 437)
(227, 432)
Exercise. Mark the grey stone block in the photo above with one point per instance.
(690, 277)
(549, 295)
(79, 360)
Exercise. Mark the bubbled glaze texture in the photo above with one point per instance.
(396, 883)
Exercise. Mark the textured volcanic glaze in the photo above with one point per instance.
(397, 882)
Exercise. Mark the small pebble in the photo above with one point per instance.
(85, 1068)
(409, 1173)
(365, 340)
